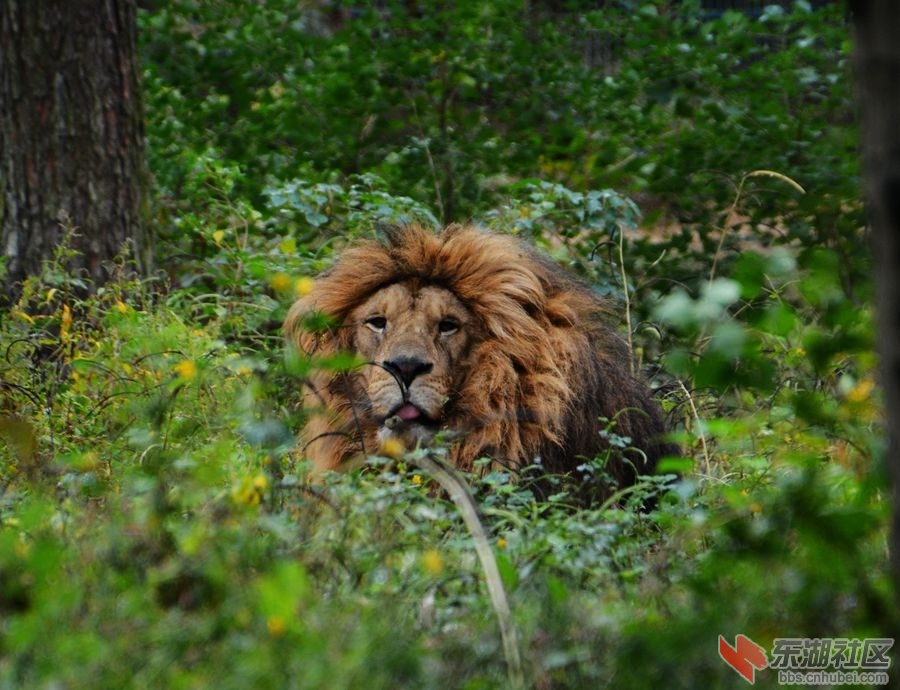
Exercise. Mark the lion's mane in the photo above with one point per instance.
(548, 372)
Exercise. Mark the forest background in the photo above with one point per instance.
(701, 168)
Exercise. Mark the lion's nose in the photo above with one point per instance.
(408, 368)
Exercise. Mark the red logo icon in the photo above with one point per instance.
(746, 657)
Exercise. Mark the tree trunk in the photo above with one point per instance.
(71, 139)
(877, 27)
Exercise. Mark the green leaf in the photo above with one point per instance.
(508, 572)
(778, 319)
(282, 591)
(676, 309)
(342, 361)
(722, 292)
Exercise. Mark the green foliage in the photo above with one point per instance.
(429, 97)
(157, 523)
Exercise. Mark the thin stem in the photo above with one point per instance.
(624, 277)
(459, 493)
(699, 425)
(734, 205)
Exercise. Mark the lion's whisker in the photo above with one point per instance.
(319, 437)
(401, 384)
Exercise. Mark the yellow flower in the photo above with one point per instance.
(250, 491)
(281, 282)
(304, 286)
(261, 482)
(862, 391)
(433, 562)
(275, 625)
(393, 448)
(218, 236)
(501, 543)
(186, 369)
(416, 479)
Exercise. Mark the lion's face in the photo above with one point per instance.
(416, 340)
(509, 354)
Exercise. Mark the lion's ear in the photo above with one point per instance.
(405, 235)
(390, 234)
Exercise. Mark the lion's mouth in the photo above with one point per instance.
(408, 413)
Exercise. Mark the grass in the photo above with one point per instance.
(157, 527)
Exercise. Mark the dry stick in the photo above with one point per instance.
(624, 277)
(699, 423)
(734, 204)
(627, 298)
(724, 231)
(454, 485)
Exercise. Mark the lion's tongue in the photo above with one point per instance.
(408, 413)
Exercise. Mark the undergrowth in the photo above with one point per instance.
(159, 528)
(157, 523)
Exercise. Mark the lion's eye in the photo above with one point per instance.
(376, 323)
(447, 326)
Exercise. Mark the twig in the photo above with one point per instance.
(459, 493)
(699, 424)
(734, 204)
(627, 299)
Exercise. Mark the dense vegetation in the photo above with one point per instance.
(156, 525)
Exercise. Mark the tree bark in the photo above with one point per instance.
(877, 27)
(71, 139)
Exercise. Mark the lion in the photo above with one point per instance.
(475, 336)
